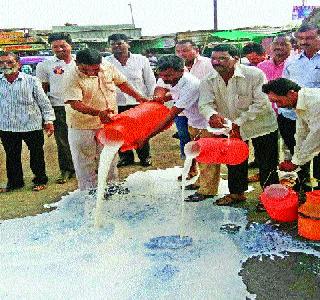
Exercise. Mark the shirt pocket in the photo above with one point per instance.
(109, 86)
(243, 102)
(316, 77)
(26, 98)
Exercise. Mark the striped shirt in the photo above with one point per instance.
(23, 104)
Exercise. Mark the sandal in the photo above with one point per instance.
(254, 178)
(260, 207)
(64, 177)
(39, 187)
(190, 176)
(4, 190)
(231, 199)
(10, 189)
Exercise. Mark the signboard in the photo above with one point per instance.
(301, 12)
(23, 47)
(14, 37)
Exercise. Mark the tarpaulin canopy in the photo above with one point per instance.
(238, 35)
(141, 45)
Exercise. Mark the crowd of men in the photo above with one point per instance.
(263, 97)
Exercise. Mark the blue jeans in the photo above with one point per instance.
(182, 127)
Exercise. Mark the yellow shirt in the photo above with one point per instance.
(98, 92)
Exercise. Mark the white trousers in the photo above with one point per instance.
(85, 151)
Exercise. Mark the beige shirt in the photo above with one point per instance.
(241, 101)
(98, 92)
(308, 126)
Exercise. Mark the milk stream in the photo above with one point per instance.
(191, 150)
(106, 157)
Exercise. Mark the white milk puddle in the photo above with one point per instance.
(60, 255)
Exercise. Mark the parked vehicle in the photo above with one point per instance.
(32, 61)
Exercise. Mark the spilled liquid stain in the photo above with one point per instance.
(139, 253)
(169, 242)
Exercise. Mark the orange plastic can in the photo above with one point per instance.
(309, 217)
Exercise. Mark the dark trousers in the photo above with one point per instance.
(61, 137)
(267, 156)
(287, 129)
(12, 143)
(143, 153)
(183, 132)
(266, 152)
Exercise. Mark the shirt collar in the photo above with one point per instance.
(300, 55)
(21, 76)
(198, 58)
(84, 76)
(303, 94)
(56, 59)
(181, 81)
(274, 64)
(237, 72)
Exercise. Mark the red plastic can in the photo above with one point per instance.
(222, 151)
(280, 203)
(133, 124)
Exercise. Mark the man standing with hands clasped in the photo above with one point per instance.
(52, 74)
(25, 111)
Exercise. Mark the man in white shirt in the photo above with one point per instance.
(199, 67)
(52, 73)
(184, 90)
(234, 92)
(138, 71)
(303, 69)
(306, 103)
